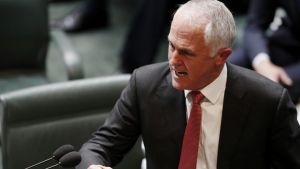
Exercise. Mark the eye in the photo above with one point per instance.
(186, 53)
(171, 46)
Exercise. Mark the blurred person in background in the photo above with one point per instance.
(271, 42)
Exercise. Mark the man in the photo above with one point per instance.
(248, 121)
(271, 42)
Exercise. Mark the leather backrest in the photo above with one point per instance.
(24, 33)
(37, 120)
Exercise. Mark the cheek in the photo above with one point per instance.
(197, 72)
(193, 69)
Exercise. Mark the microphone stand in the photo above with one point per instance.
(53, 166)
(39, 163)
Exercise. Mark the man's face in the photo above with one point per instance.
(191, 64)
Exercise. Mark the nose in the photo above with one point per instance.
(174, 58)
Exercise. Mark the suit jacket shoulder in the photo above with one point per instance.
(248, 81)
(259, 123)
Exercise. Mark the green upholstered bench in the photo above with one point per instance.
(37, 120)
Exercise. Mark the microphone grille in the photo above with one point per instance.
(62, 150)
(70, 160)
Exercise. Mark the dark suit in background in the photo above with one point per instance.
(259, 127)
(146, 31)
(282, 44)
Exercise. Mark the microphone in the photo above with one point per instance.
(62, 150)
(57, 154)
(71, 159)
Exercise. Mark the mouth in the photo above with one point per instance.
(179, 73)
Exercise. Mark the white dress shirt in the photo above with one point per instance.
(260, 58)
(212, 107)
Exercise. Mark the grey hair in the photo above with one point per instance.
(220, 29)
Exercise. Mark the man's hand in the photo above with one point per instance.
(273, 72)
(98, 167)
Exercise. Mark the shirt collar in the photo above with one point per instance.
(214, 90)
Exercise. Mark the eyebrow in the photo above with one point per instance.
(182, 50)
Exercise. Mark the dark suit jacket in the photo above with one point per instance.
(259, 127)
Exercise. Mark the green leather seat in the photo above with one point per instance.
(37, 120)
(29, 51)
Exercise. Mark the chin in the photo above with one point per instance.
(177, 86)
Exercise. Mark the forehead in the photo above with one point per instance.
(182, 28)
(191, 17)
(186, 27)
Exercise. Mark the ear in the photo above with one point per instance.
(223, 54)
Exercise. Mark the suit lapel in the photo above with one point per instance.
(175, 113)
(233, 118)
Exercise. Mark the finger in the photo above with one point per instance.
(284, 78)
(95, 167)
(106, 168)
(98, 167)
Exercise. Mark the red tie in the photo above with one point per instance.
(189, 151)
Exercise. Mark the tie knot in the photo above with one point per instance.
(197, 97)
